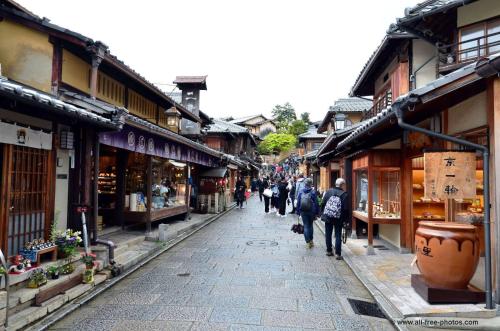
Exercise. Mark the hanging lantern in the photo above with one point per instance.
(173, 119)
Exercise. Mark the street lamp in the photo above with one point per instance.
(340, 121)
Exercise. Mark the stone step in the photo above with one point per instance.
(136, 254)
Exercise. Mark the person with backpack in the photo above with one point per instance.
(276, 195)
(334, 213)
(307, 208)
(266, 185)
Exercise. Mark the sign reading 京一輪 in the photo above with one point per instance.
(450, 175)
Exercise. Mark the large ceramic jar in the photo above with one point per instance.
(447, 253)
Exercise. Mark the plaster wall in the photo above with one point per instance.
(424, 60)
(477, 11)
(390, 233)
(26, 55)
(469, 114)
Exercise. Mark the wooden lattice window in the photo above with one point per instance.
(142, 107)
(27, 192)
(110, 90)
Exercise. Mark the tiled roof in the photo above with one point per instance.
(312, 134)
(430, 6)
(353, 104)
(219, 126)
(44, 100)
(190, 80)
(335, 135)
(246, 118)
(389, 112)
(344, 105)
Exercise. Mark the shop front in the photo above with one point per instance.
(144, 177)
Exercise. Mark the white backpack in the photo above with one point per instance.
(333, 207)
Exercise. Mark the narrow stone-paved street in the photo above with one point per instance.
(246, 271)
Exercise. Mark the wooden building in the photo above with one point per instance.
(454, 94)
(258, 125)
(94, 115)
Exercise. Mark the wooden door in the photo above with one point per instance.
(26, 179)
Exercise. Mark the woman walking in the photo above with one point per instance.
(240, 192)
(274, 198)
(307, 208)
(283, 196)
(265, 186)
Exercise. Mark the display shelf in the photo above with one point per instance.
(429, 203)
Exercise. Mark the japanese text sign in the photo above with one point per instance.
(450, 175)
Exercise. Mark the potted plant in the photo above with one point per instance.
(37, 278)
(53, 271)
(89, 261)
(67, 268)
(67, 242)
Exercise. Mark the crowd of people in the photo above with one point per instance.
(278, 190)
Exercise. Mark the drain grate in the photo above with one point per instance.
(262, 243)
(365, 308)
(381, 247)
(186, 274)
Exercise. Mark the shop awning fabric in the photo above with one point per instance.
(215, 172)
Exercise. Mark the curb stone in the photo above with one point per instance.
(69, 307)
(384, 305)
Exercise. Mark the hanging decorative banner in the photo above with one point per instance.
(19, 135)
(450, 175)
(140, 141)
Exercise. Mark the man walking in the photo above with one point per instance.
(307, 208)
(334, 214)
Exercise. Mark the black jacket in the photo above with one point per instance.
(343, 198)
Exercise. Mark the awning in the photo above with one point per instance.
(215, 172)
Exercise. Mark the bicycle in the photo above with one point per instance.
(346, 231)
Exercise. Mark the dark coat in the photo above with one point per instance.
(240, 190)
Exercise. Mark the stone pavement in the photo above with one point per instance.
(245, 271)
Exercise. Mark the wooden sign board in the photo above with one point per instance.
(450, 175)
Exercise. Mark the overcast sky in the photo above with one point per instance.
(256, 53)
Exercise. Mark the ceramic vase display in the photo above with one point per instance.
(447, 253)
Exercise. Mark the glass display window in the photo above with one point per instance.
(361, 191)
(135, 179)
(386, 194)
(169, 184)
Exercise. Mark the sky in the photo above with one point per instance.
(256, 53)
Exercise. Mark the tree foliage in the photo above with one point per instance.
(275, 143)
(305, 117)
(284, 115)
(297, 127)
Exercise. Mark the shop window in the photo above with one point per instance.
(169, 184)
(135, 177)
(386, 194)
(362, 191)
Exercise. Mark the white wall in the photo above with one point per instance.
(423, 52)
(477, 11)
(390, 233)
(379, 82)
(61, 194)
(469, 114)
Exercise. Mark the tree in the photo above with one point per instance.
(297, 127)
(275, 143)
(305, 117)
(284, 115)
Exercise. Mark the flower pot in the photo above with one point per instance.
(67, 269)
(88, 276)
(447, 253)
(54, 276)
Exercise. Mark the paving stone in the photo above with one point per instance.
(321, 306)
(133, 312)
(350, 323)
(55, 302)
(210, 327)
(91, 324)
(128, 325)
(236, 315)
(134, 298)
(177, 313)
(219, 301)
(274, 303)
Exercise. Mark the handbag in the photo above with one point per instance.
(268, 193)
(298, 228)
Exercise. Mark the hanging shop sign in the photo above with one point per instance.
(450, 175)
(22, 136)
(139, 141)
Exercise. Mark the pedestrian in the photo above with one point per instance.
(299, 185)
(283, 196)
(334, 214)
(307, 208)
(240, 192)
(260, 186)
(276, 195)
(253, 184)
(266, 185)
(293, 188)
